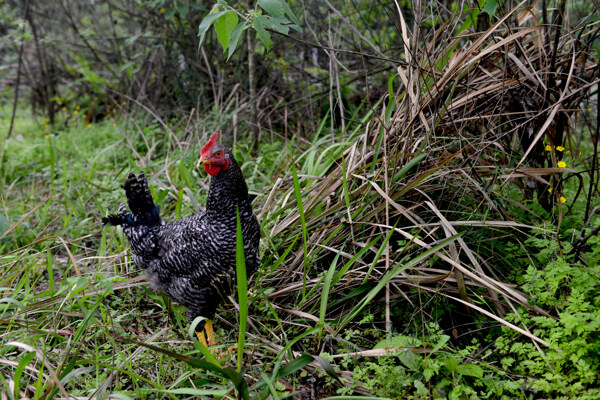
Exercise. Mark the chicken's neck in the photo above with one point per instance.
(227, 190)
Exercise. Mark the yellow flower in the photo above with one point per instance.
(561, 164)
(560, 148)
(114, 125)
(163, 10)
(549, 190)
(47, 136)
(214, 63)
(229, 76)
(563, 199)
(75, 112)
(548, 148)
(64, 108)
(77, 108)
(222, 70)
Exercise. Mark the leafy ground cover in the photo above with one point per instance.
(439, 243)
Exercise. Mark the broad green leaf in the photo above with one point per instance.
(470, 370)
(451, 364)
(273, 7)
(263, 35)
(276, 23)
(235, 37)
(206, 23)
(411, 360)
(398, 341)
(224, 26)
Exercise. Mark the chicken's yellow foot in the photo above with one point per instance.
(210, 333)
(201, 338)
(207, 333)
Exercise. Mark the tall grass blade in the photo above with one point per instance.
(242, 286)
(303, 222)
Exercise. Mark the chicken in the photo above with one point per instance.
(193, 260)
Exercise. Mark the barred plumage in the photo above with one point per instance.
(192, 260)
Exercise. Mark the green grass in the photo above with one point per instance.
(76, 317)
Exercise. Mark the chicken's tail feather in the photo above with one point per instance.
(143, 211)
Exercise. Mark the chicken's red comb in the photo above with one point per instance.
(214, 138)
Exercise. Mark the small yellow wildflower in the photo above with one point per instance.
(214, 63)
(561, 164)
(76, 112)
(47, 136)
(563, 199)
(64, 108)
(46, 126)
(77, 108)
(548, 148)
(560, 148)
(549, 190)
(163, 10)
(229, 76)
(114, 125)
(124, 103)
(222, 70)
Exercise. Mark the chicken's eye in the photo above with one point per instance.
(218, 154)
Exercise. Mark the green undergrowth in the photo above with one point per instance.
(73, 306)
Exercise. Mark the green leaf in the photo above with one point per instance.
(235, 37)
(397, 342)
(291, 15)
(263, 35)
(273, 7)
(443, 340)
(451, 364)
(470, 370)
(490, 7)
(206, 23)
(276, 24)
(224, 26)
(411, 360)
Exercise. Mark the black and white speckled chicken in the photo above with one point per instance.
(192, 260)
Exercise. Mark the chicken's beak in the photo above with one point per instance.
(201, 161)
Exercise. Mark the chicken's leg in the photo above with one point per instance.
(210, 334)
